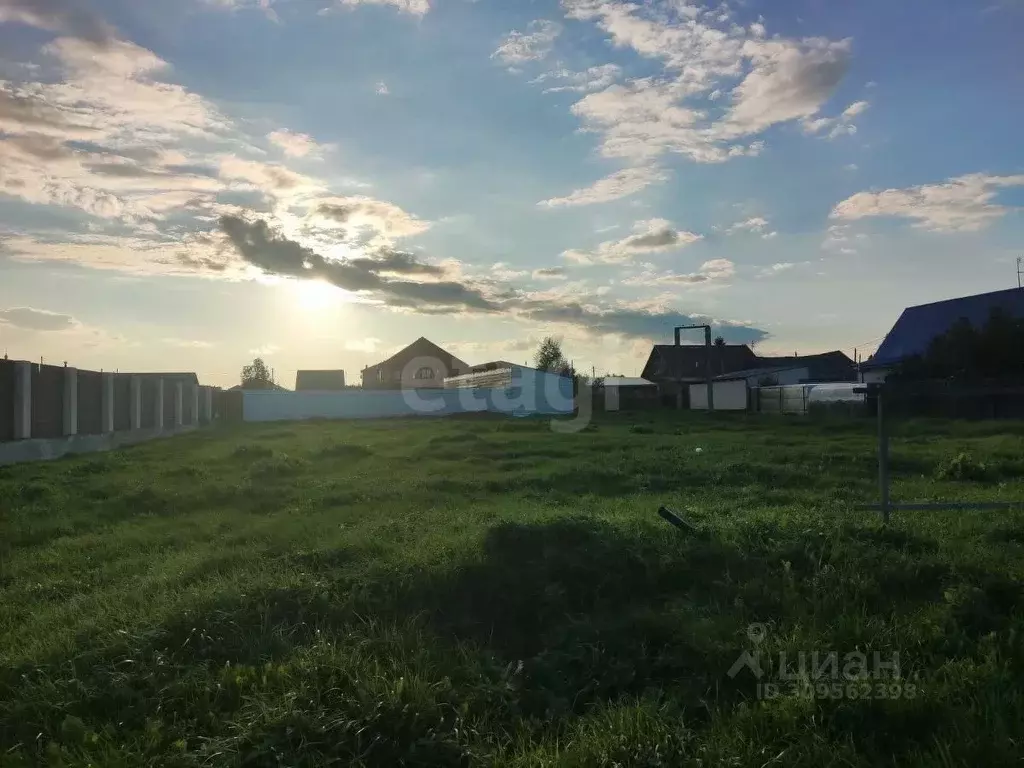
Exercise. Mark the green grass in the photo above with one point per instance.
(484, 591)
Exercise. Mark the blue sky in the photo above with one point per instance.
(185, 185)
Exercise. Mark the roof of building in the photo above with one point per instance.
(917, 326)
(688, 361)
(422, 347)
(835, 357)
(627, 381)
(253, 386)
(495, 365)
(759, 371)
(320, 380)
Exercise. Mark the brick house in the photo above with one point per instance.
(421, 365)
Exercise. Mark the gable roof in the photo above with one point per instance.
(835, 364)
(759, 371)
(688, 361)
(320, 380)
(422, 347)
(917, 326)
(258, 385)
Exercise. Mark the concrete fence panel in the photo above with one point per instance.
(122, 402)
(148, 404)
(7, 404)
(47, 401)
(90, 403)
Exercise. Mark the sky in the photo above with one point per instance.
(186, 185)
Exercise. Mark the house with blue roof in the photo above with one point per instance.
(918, 326)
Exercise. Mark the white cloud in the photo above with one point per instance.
(265, 6)
(856, 108)
(839, 239)
(43, 331)
(706, 60)
(382, 89)
(115, 91)
(503, 271)
(834, 127)
(592, 79)
(367, 345)
(294, 144)
(776, 269)
(534, 45)
(413, 7)
(61, 16)
(550, 273)
(265, 350)
(966, 203)
(788, 81)
(31, 319)
(710, 271)
(361, 213)
(273, 179)
(620, 184)
(196, 256)
(650, 236)
(42, 170)
(758, 225)
(172, 341)
(110, 97)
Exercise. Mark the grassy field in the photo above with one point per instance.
(487, 592)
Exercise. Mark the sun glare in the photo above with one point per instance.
(316, 295)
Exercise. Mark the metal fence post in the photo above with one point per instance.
(883, 457)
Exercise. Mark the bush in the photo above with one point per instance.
(963, 466)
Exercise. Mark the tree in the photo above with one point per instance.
(549, 357)
(719, 341)
(256, 375)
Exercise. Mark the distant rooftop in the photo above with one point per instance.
(324, 380)
(627, 381)
(917, 326)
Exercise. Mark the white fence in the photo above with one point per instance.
(531, 393)
(729, 396)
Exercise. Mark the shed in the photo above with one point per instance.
(627, 392)
(319, 381)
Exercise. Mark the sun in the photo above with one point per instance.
(316, 295)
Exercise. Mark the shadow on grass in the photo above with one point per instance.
(544, 623)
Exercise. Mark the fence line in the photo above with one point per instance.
(65, 405)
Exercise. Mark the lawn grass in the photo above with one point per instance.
(484, 591)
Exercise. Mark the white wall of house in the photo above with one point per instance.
(788, 376)
(874, 376)
(729, 396)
